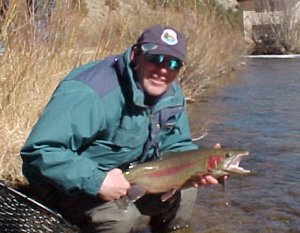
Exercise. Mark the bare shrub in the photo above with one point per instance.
(276, 26)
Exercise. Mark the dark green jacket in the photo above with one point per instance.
(95, 121)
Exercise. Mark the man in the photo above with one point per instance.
(103, 116)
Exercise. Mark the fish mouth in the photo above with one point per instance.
(231, 164)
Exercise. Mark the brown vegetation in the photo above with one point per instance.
(276, 27)
(31, 67)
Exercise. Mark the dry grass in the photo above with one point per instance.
(30, 69)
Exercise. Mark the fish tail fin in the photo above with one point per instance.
(134, 193)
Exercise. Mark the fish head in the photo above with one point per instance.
(226, 162)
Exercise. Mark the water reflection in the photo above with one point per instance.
(259, 111)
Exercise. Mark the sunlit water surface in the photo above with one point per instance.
(259, 110)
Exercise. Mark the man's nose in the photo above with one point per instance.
(163, 68)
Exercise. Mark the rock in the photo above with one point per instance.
(228, 4)
(100, 9)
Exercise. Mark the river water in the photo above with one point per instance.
(257, 110)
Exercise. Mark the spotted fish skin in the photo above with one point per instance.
(177, 170)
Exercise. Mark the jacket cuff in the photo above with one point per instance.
(92, 185)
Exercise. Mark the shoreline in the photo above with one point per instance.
(280, 56)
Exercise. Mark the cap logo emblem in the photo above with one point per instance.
(169, 37)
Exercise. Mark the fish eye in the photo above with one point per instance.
(228, 155)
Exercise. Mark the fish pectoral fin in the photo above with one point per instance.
(166, 196)
(135, 192)
(221, 181)
(122, 203)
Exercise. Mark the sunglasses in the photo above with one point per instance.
(173, 63)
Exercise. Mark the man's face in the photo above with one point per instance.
(155, 78)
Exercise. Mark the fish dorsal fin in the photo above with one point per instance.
(167, 155)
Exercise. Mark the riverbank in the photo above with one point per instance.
(32, 65)
(272, 56)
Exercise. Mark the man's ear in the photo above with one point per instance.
(134, 53)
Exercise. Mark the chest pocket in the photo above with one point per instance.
(167, 118)
(132, 130)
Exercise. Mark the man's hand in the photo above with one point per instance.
(114, 185)
(207, 179)
(204, 180)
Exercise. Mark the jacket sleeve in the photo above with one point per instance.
(51, 153)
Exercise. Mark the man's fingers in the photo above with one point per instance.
(204, 180)
(211, 180)
(217, 146)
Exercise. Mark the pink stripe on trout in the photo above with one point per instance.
(177, 170)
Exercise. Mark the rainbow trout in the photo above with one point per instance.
(178, 170)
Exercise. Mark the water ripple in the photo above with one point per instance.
(259, 112)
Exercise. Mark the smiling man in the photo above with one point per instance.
(102, 117)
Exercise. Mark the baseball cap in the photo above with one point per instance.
(163, 40)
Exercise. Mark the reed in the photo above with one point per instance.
(32, 66)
